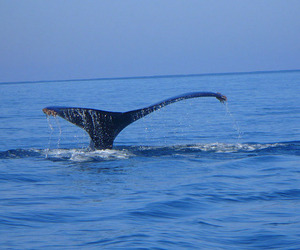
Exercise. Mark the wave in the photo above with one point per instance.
(76, 155)
(121, 153)
(221, 148)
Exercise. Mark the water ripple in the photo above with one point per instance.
(121, 153)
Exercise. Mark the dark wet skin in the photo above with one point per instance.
(104, 126)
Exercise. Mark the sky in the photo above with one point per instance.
(61, 39)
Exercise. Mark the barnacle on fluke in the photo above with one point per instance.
(49, 112)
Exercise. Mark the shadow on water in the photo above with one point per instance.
(211, 150)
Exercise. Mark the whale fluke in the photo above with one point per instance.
(104, 126)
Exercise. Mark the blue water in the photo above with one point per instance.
(196, 174)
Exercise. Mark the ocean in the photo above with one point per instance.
(197, 174)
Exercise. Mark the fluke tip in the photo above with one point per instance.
(221, 98)
(49, 112)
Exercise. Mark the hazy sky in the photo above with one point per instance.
(61, 39)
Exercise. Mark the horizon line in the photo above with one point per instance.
(145, 77)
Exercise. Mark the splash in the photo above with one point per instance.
(234, 148)
(85, 155)
(122, 153)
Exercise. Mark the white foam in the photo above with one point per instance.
(83, 155)
(230, 148)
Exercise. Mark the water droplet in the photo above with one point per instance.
(234, 121)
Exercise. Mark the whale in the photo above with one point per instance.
(104, 126)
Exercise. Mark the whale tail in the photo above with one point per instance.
(104, 126)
